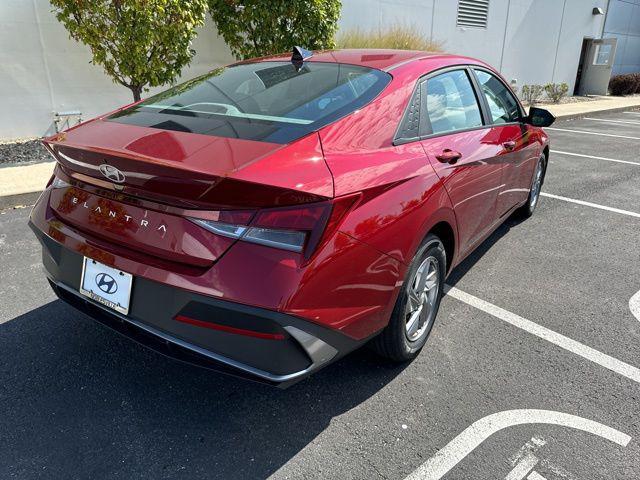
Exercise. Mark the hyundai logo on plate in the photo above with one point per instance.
(106, 283)
(112, 173)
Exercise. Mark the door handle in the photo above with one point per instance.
(449, 156)
(510, 145)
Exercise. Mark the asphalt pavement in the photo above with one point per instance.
(531, 371)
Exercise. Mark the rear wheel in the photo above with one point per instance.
(417, 305)
(534, 193)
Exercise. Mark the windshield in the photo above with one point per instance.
(266, 101)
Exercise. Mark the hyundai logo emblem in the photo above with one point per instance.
(112, 173)
(106, 283)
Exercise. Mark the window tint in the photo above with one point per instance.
(451, 103)
(502, 104)
(267, 101)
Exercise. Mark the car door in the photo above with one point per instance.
(509, 135)
(455, 140)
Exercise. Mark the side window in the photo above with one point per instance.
(451, 103)
(502, 104)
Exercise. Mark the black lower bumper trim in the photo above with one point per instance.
(173, 347)
(303, 347)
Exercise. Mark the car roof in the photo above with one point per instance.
(381, 59)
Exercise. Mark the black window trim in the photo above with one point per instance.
(397, 138)
(484, 99)
(487, 121)
(423, 118)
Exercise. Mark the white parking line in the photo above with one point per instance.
(470, 438)
(593, 205)
(524, 466)
(634, 305)
(595, 158)
(588, 353)
(607, 120)
(535, 476)
(591, 133)
(526, 459)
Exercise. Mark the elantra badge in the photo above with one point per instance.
(112, 173)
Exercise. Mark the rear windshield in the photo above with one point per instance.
(266, 101)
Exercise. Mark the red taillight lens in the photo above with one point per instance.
(298, 229)
(303, 225)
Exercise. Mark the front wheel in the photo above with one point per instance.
(534, 193)
(417, 305)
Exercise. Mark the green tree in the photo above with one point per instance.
(254, 28)
(139, 43)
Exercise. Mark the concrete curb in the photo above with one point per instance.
(22, 185)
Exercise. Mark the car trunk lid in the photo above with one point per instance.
(168, 176)
(192, 170)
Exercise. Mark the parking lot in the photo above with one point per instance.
(531, 371)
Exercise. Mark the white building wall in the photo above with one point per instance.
(485, 44)
(43, 71)
(533, 41)
(544, 39)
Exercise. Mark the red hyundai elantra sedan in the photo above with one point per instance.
(271, 216)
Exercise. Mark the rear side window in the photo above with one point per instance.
(265, 101)
(452, 103)
(502, 104)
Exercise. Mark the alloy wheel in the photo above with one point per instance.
(422, 290)
(537, 185)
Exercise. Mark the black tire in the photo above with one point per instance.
(393, 342)
(533, 199)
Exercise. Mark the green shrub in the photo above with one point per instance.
(623, 84)
(531, 93)
(398, 36)
(255, 28)
(556, 91)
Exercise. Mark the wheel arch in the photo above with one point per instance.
(545, 152)
(444, 231)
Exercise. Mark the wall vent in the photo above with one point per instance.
(473, 13)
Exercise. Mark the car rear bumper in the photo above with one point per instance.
(250, 342)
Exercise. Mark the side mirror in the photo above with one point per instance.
(539, 117)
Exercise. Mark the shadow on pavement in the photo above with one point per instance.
(460, 271)
(79, 401)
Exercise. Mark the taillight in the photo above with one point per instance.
(298, 229)
(284, 239)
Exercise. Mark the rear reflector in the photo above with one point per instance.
(228, 329)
